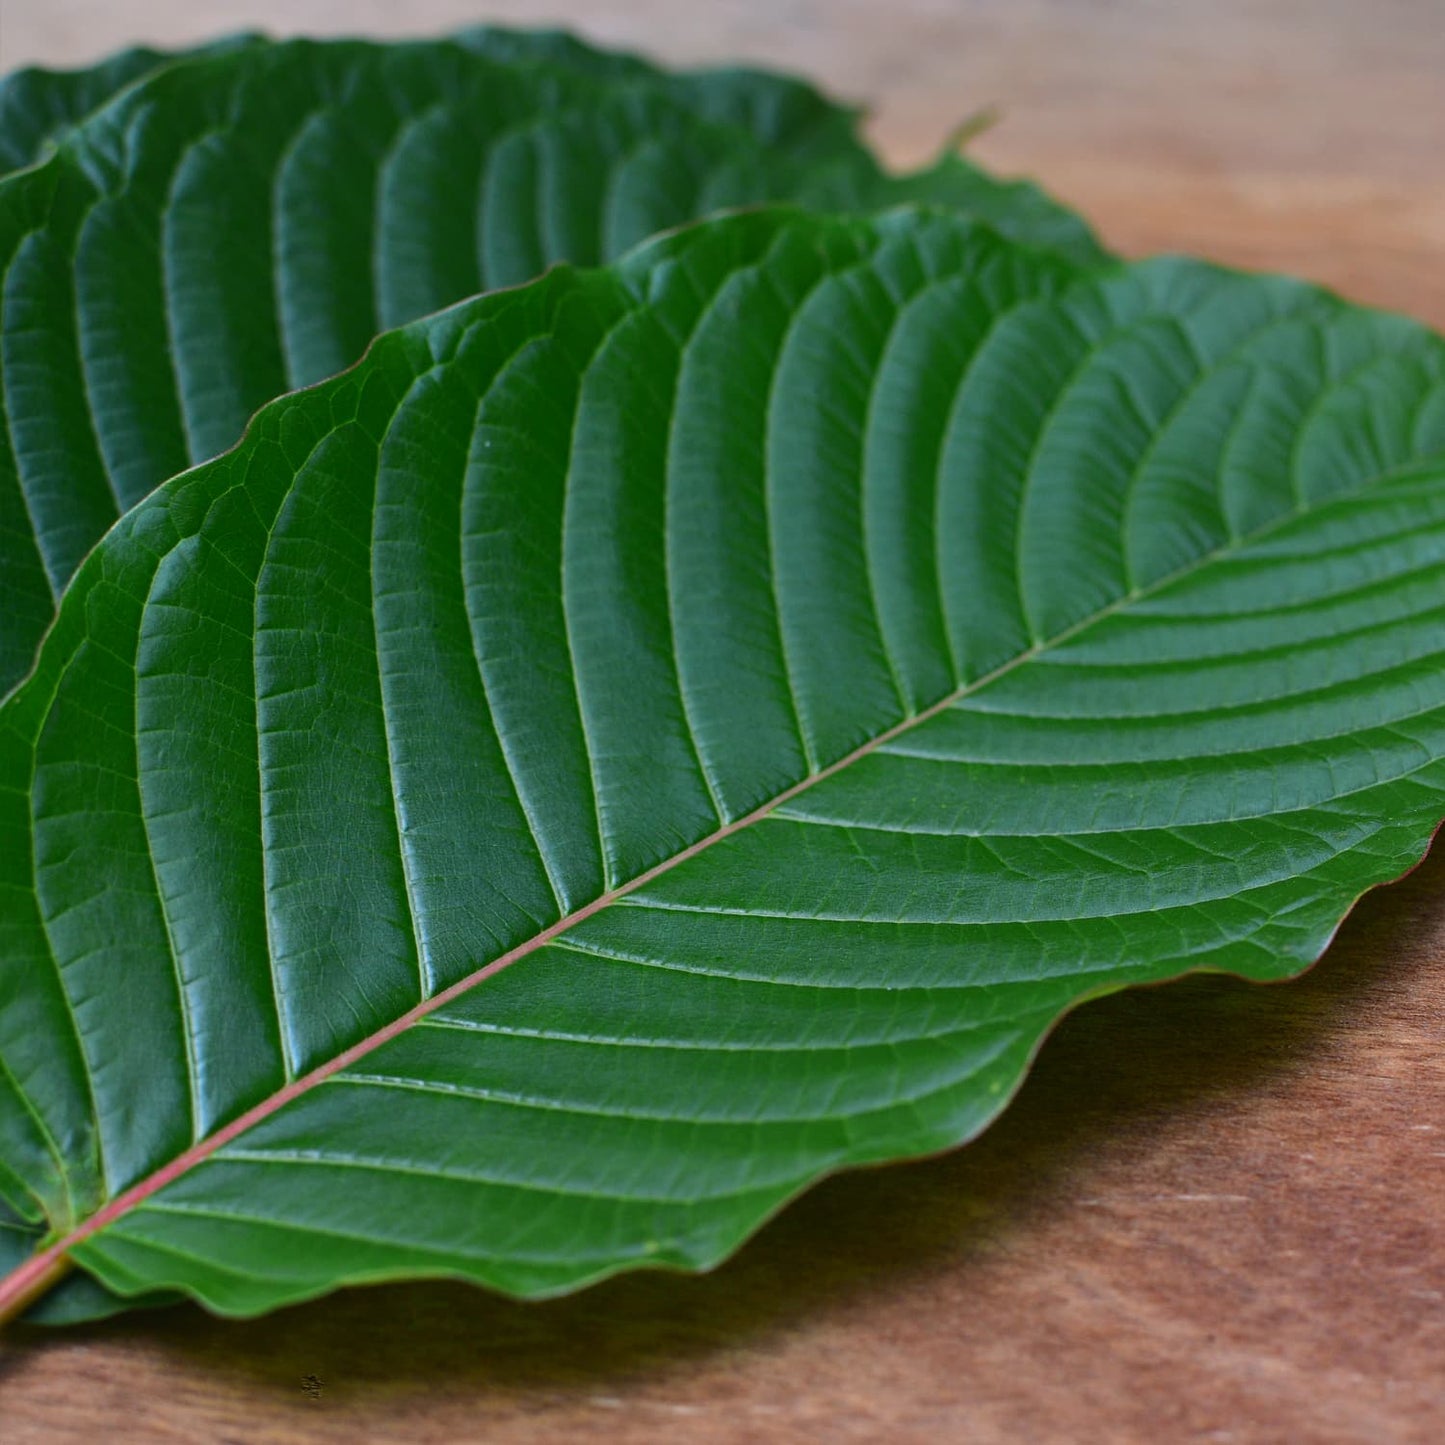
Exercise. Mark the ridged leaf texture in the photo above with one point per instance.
(38, 106)
(645, 740)
(244, 222)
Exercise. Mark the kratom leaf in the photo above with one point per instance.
(645, 740)
(243, 224)
(38, 106)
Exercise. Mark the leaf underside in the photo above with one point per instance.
(867, 639)
(244, 222)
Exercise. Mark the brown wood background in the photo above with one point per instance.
(1216, 1212)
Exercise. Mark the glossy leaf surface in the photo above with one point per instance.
(645, 740)
(243, 224)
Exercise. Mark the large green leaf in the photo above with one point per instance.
(644, 740)
(243, 224)
(37, 106)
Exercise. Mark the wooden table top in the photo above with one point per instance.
(1217, 1211)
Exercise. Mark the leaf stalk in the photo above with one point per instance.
(36, 1277)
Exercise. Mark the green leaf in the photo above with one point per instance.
(645, 740)
(243, 224)
(38, 106)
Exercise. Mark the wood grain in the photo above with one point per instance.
(1216, 1212)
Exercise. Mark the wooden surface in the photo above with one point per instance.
(1216, 1212)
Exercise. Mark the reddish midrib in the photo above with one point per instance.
(32, 1279)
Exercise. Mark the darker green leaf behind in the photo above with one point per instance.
(244, 223)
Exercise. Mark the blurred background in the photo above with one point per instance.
(1304, 134)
